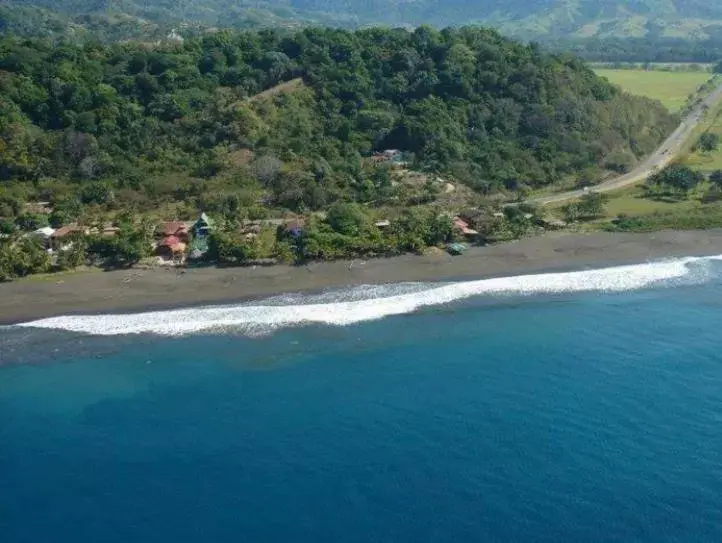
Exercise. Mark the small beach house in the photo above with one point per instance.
(62, 238)
(171, 248)
(203, 226)
(178, 229)
(462, 226)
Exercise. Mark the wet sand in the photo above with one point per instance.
(143, 289)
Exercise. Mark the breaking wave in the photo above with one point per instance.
(345, 307)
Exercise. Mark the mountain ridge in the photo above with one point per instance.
(528, 19)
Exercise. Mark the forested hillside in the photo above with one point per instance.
(523, 18)
(160, 124)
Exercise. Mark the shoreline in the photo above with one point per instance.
(140, 290)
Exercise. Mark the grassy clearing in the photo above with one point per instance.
(670, 88)
(635, 201)
(631, 201)
(641, 213)
(708, 162)
(657, 66)
(697, 217)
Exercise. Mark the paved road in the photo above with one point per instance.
(667, 152)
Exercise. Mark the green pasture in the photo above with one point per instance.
(670, 88)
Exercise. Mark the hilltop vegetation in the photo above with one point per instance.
(491, 112)
(582, 18)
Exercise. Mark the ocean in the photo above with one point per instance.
(562, 407)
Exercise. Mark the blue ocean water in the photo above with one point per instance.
(572, 416)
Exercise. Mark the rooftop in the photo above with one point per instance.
(169, 241)
(173, 228)
(64, 231)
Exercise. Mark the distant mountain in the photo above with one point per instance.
(522, 18)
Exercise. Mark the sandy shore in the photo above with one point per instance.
(139, 290)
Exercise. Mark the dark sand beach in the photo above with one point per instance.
(151, 289)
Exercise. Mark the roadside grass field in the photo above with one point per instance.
(630, 201)
(708, 162)
(634, 201)
(670, 88)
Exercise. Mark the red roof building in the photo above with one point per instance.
(175, 228)
(65, 231)
(169, 241)
(463, 227)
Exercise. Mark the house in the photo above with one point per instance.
(382, 224)
(172, 234)
(106, 231)
(178, 229)
(67, 231)
(62, 238)
(203, 226)
(171, 247)
(169, 241)
(463, 227)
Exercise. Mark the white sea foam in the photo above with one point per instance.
(375, 302)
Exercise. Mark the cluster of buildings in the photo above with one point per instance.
(175, 239)
(172, 239)
(58, 239)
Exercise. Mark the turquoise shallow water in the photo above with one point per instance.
(569, 417)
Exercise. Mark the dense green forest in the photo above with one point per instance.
(695, 19)
(255, 123)
(465, 102)
(32, 21)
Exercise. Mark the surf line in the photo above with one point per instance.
(386, 301)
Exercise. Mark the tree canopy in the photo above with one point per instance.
(292, 114)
